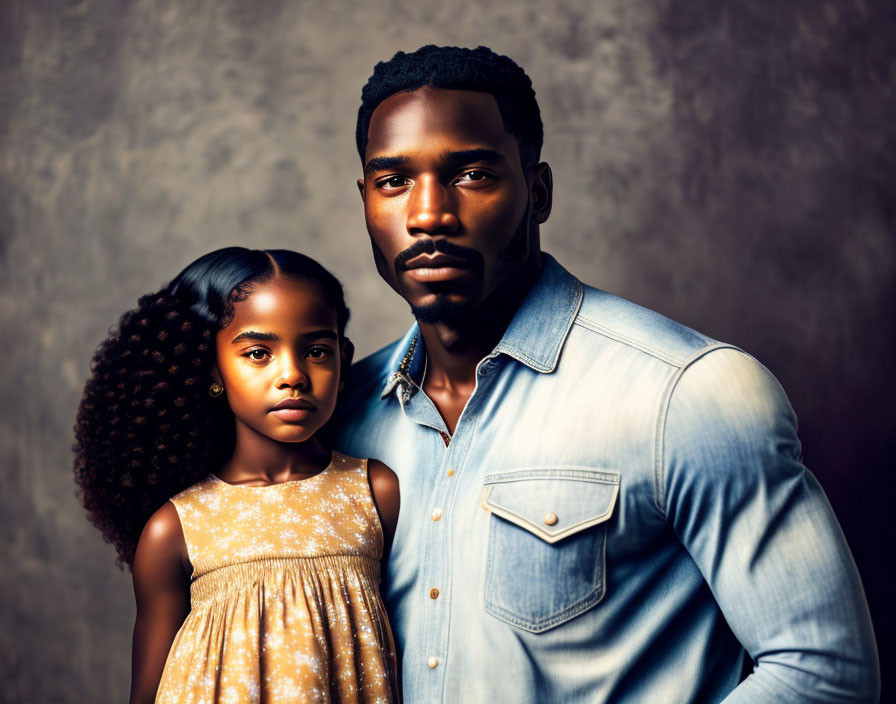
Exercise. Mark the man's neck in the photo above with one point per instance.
(452, 353)
(453, 350)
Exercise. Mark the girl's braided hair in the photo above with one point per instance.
(147, 427)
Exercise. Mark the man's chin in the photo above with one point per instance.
(442, 311)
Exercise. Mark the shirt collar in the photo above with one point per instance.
(537, 332)
(534, 337)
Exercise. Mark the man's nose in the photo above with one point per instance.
(432, 208)
(291, 375)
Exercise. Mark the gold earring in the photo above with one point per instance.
(215, 390)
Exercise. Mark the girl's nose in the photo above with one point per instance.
(291, 375)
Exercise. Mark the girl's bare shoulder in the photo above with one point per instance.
(386, 493)
(161, 542)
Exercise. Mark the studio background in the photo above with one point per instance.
(729, 164)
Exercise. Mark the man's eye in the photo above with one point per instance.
(257, 355)
(393, 182)
(473, 176)
(318, 352)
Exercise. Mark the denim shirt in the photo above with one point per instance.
(620, 512)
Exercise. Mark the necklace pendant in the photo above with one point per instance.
(395, 380)
(401, 377)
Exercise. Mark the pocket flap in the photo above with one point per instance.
(552, 503)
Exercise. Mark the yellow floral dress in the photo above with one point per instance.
(285, 605)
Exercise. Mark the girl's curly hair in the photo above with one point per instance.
(147, 427)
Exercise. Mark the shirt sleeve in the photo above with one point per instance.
(761, 531)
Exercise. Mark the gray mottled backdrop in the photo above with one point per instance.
(730, 164)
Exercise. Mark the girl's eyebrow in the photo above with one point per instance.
(257, 336)
(273, 337)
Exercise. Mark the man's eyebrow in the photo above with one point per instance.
(257, 336)
(384, 163)
(464, 156)
(468, 156)
(317, 334)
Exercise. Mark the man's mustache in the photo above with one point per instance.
(442, 246)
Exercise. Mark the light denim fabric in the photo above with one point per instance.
(620, 512)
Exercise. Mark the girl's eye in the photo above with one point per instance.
(257, 355)
(319, 352)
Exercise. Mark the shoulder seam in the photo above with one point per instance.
(589, 324)
(662, 415)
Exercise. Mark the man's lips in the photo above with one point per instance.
(436, 267)
(436, 261)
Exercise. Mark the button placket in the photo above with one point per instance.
(439, 543)
(439, 570)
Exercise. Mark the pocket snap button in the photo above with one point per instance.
(550, 519)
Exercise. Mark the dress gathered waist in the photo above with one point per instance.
(244, 574)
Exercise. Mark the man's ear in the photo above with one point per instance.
(361, 189)
(346, 354)
(541, 191)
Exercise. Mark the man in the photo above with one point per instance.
(598, 504)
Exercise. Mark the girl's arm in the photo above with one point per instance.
(162, 590)
(386, 496)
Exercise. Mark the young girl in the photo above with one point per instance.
(258, 580)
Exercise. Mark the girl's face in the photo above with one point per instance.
(279, 360)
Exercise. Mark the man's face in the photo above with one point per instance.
(446, 200)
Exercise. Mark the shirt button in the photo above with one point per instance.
(450, 472)
(433, 593)
(432, 663)
(550, 518)
(436, 514)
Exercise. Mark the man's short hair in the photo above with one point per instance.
(478, 69)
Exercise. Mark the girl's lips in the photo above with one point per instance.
(299, 403)
(293, 414)
(293, 409)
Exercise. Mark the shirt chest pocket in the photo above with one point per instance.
(546, 543)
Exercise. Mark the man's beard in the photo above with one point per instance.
(455, 314)
(443, 310)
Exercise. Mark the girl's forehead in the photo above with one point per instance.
(285, 302)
